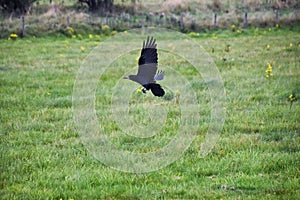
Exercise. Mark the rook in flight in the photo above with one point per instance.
(147, 70)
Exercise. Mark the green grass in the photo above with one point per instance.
(257, 156)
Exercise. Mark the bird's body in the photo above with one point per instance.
(147, 71)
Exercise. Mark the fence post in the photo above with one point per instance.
(215, 20)
(68, 21)
(161, 17)
(276, 15)
(246, 20)
(106, 19)
(143, 22)
(181, 22)
(23, 26)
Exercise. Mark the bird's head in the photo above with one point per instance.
(130, 77)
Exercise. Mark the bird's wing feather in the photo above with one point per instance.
(149, 52)
(148, 61)
(159, 76)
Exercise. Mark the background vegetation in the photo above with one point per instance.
(45, 18)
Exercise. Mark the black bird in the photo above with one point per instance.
(147, 72)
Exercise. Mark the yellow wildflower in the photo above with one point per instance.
(292, 97)
(268, 47)
(269, 71)
(139, 90)
(232, 27)
(291, 45)
(70, 29)
(91, 36)
(105, 27)
(277, 25)
(13, 36)
(82, 48)
(73, 36)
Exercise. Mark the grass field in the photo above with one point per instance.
(257, 156)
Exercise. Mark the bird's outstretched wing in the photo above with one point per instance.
(149, 52)
(148, 61)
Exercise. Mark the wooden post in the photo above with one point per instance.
(23, 25)
(276, 15)
(161, 17)
(68, 21)
(215, 20)
(246, 20)
(143, 22)
(181, 22)
(106, 19)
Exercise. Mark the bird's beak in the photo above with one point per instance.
(125, 77)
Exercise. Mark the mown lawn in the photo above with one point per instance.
(257, 156)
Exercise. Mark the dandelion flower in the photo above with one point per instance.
(214, 36)
(268, 47)
(70, 29)
(291, 45)
(82, 48)
(91, 36)
(13, 36)
(269, 71)
(105, 27)
(292, 97)
(232, 27)
(192, 33)
(139, 90)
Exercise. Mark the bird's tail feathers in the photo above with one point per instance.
(157, 90)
